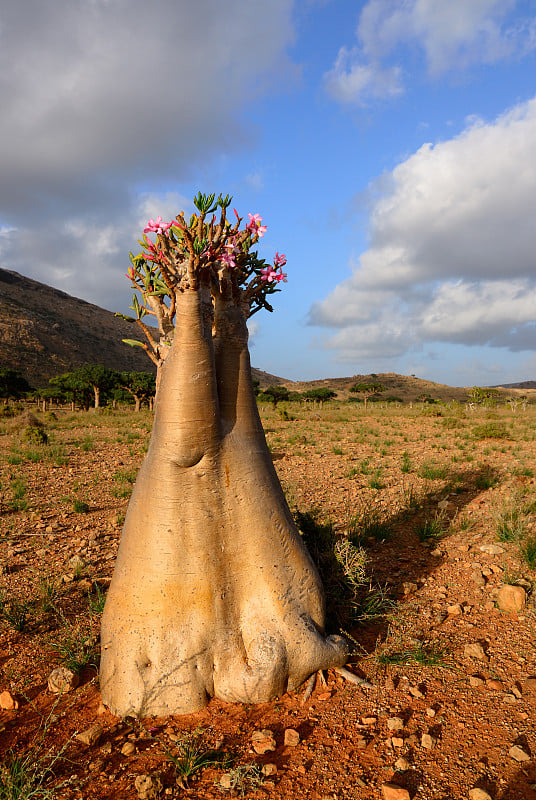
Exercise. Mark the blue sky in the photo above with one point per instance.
(390, 146)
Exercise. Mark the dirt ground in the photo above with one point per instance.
(439, 505)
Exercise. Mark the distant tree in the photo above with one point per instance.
(483, 395)
(98, 377)
(368, 390)
(275, 394)
(256, 386)
(72, 389)
(320, 395)
(12, 384)
(141, 385)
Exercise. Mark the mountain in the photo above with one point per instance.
(44, 332)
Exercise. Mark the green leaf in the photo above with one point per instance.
(134, 343)
(124, 316)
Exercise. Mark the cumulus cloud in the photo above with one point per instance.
(450, 35)
(452, 243)
(101, 97)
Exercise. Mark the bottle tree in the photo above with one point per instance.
(213, 592)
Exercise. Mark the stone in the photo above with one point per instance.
(427, 741)
(416, 692)
(91, 735)
(430, 712)
(511, 598)
(263, 742)
(477, 578)
(475, 650)
(492, 549)
(76, 563)
(62, 680)
(402, 764)
(226, 781)
(395, 723)
(518, 754)
(269, 769)
(475, 680)
(148, 787)
(8, 702)
(391, 791)
(478, 794)
(454, 610)
(397, 741)
(128, 749)
(495, 685)
(529, 685)
(292, 737)
(409, 587)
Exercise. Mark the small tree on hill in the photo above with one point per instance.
(275, 394)
(368, 390)
(320, 395)
(213, 592)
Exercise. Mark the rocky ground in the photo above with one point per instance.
(431, 512)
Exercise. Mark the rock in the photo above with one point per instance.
(518, 754)
(62, 680)
(391, 791)
(492, 549)
(402, 764)
(475, 680)
(511, 598)
(128, 749)
(226, 781)
(430, 712)
(454, 610)
(292, 737)
(269, 769)
(409, 587)
(477, 578)
(478, 794)
(76, 564)
(427, 741)
(8, 702)
(397, 741)
(475, 650)
(148, 787)
(416, 692)
(91, 735)
(495, 685)
(395, 723)
(529, 686)
(263, 742)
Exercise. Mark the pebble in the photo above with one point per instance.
(395, 723)
(478, 794)
(475, 650)
(292, 737)
(62, 680)
(226, 781)
(391, 791)
(454, 610)
(402, 764)
(518, 754)
(511, 598)
(397, 741)
(492, 549)
(477, 578)
(475, 680)
(427, 741)
(148, 787)
(91, 735)
(529, 686)
(269, 769)
(128, 749)
(8, 702)
(263, 742)
(496, 685)
(416, 692)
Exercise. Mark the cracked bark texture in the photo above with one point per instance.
(213, 592)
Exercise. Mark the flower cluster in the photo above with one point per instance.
(275, 274)
(157, 226)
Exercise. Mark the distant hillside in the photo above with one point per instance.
(44, 332)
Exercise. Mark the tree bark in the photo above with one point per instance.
(213, 593)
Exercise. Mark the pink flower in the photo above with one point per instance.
(157, 226)
(280, 260)
(255, 226)
(268, 274)
(281, 276)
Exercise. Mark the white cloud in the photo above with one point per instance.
(451, 35)
(100, 97)
(451, 255)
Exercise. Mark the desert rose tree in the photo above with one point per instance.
(213, 593)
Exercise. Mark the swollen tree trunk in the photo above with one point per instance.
(213, 592)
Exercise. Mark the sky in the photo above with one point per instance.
(389, 145)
